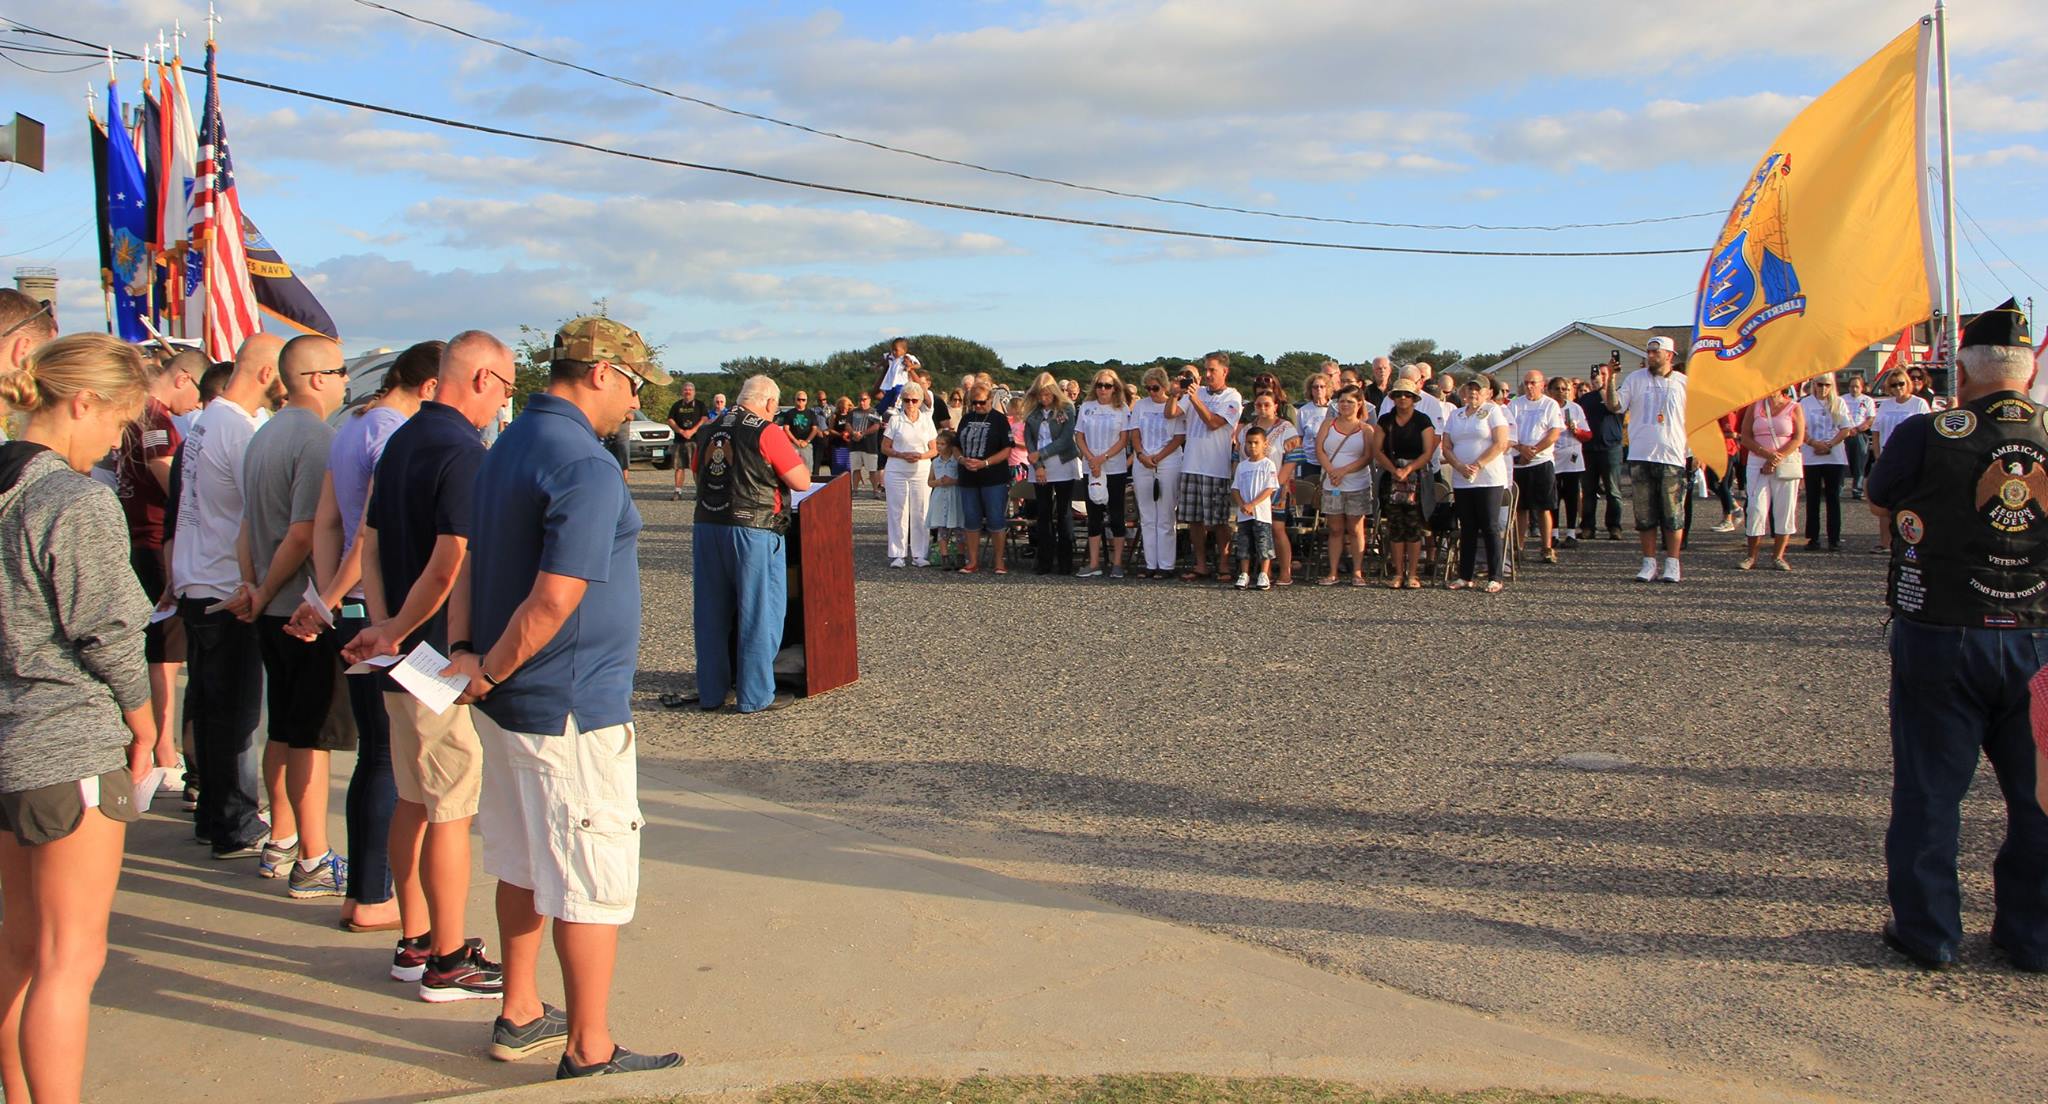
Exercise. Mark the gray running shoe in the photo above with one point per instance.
(622, 1061)
(510, 1043)
(329, 879)
(276, 861)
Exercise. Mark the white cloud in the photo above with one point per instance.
(1996, 158)
(379, 301)
(1663, 132)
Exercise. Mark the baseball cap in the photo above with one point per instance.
(1663, 343)
(593, 338)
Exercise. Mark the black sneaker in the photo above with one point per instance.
(510, 1042)
(465, 975)
(622, 1061)
(409, 962)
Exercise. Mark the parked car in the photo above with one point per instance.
(652, 442)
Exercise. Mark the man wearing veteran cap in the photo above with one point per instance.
(546, 627)
(1968, 492)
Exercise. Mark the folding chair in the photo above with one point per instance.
(1311, 541)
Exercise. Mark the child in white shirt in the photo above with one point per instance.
(1253, 488)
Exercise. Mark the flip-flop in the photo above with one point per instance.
(1196, 576)
(1414, 583)
(364, 929)
(1495, 587)
(1001, 571)
(1331, 581)
(968, 570)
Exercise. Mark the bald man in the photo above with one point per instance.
(226, 671)
(283, 471)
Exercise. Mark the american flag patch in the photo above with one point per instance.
(156, 438)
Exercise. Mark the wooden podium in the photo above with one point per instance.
(820, 613)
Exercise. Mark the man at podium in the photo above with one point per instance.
(746, 464)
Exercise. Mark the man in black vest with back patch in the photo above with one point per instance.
(746, 467)
(1968, 491)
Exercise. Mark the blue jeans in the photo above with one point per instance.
(1957, 693)
(985, 509)
(224, 698)
(1603, 471)
(742, 594)
(372, 794)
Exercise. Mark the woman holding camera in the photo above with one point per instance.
(1055, 466)
(76, 731)
(1156, 442)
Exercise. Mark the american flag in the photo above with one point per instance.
(230, 297)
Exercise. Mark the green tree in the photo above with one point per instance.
(530, 362)
(1480, 362)
(1297, 366)
(1421, 348)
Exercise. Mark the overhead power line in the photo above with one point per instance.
(99, 50)
(1012, 173)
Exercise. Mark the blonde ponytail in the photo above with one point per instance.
(87, 363)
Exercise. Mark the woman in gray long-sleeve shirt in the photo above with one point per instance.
(75, 723)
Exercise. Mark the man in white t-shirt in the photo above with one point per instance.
(1652, 399)
(1213, 409)
(1538, 422)
(225, 667)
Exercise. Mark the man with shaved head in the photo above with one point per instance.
(283, 471)
(225, 671)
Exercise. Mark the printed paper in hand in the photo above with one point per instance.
(372, 665)
(162, 615)
(796, 498)
(421, 675)
(145, 790)
(319, 604)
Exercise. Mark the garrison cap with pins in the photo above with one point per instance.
(593, 338)
(2004, 324)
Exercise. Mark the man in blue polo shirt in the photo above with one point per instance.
(550, 623)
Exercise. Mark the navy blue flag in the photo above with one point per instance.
(280, 294)
(126, 201)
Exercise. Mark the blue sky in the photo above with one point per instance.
(1455, 111)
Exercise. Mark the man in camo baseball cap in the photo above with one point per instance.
(594, 338)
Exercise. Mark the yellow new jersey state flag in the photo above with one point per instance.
(1827, 249)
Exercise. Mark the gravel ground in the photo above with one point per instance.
(1380, 783)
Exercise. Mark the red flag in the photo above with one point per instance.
(1902, 348)
(230, 298)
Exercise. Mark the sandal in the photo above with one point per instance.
(1358, 580)
(1000, 571)
(1459, 584)
(1495, 587)
(1414, 582)
(968, 570)
(1394, 584)
(1196, 576)
(678, 701)
(1327, 581)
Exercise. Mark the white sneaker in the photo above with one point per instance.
(1670, 571)
(897, 562)
(1649, 570)
(1265, 581)
(1244, 581)
(920, 563)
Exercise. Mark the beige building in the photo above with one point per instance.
(1573, 350)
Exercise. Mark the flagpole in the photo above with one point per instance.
(1949, 306)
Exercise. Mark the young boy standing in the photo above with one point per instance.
(1253, 487)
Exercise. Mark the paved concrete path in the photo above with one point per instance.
(774, 945)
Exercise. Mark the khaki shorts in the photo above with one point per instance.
(436, 760)
(1349, 503)
(561, 816)
(862, 460)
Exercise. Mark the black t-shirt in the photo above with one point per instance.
(1404, 443)
(686, 412)
(799, 421)
(983, 435)
(421, 491)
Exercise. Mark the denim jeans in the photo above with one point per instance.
(1052, 531)
(1603, 473)
(742, 594)
(372, 794)
(1956, 694)
(1824, 488)
(224, 699)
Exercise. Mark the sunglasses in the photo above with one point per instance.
(1105, 387)
(40, 311)
(1154, 388)
(327, 372)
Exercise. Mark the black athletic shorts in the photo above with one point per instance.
(306, 695)
(47, 814)
(163, 642)
(1538, 486)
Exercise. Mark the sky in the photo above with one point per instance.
(1453, 112)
